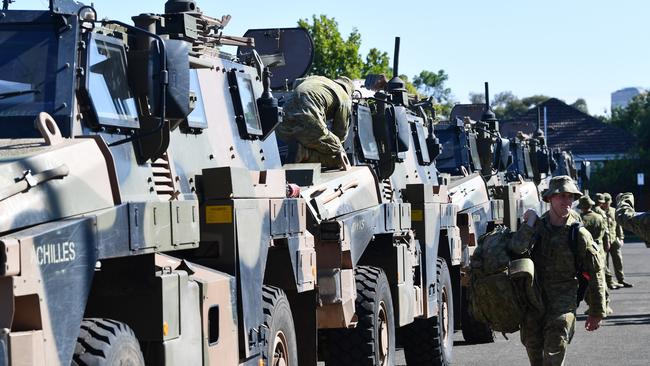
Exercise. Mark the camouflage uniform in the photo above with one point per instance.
(629, 219)
(616, 237)
(597, 227)
(609, 277)
(315, 101)
(546, 336)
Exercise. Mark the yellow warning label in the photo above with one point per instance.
(218, 214)
(417, 215)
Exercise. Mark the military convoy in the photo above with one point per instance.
(147, 215)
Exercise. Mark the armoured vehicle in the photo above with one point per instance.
(148, 217)
(148, 220)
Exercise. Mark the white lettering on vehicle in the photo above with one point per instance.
(56, 253)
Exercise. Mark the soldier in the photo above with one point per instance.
(638, 223)
(616, 237)
(609, 277)
(315, 101)
(597, 227)
(546, 335)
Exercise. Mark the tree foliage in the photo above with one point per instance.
(581, 105)
(377, 62)
(430, 83)
(433, 84)
(635, 118)
(506, 105)
(620, 175)
(334, 55)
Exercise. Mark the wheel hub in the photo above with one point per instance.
(382, 328)
(280, 356)
(444, 312)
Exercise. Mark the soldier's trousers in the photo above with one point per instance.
(306, 124)
(617, 260)
(546, 337)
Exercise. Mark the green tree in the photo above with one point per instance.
(534, 100)
(620, 175)
(333, 56)
(476, 98)
(635, 118)
(377, 62)
(581, 105)
(433, 84)
(430, 83)
(506, 105)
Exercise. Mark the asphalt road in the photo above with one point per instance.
(622, 340)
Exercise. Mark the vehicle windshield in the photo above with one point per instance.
(27, 72)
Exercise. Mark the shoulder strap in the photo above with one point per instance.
(573, 242)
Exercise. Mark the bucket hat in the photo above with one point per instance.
(561, 184)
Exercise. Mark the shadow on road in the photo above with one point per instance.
(615, 320)
(636, 319)
(465, 343)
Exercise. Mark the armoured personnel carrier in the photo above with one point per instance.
(148, 217)
(146, 220)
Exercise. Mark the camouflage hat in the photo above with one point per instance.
(346, 83)
(600, 198)
(585, 202)
(561, 184)
(607, 197)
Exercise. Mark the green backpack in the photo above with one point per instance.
(501, 287)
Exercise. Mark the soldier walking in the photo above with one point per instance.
(315, 101)
(616, 237)
(597, 227)
(609, 277)
(554, 238)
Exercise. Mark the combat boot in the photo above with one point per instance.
(614, 286)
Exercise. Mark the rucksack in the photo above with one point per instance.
(501, 285)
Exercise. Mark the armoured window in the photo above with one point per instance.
(455, 152)
(248, 103)
(366, 134)
(213, 325)
(28, 72)
(197, 118)
(108, 84)
(420, 142)
(245, 104)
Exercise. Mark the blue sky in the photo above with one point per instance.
(566, 49)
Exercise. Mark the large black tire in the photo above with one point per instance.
(106, 342)
(430, 341)
(474, 331)
(372, 341)
(281, 338)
